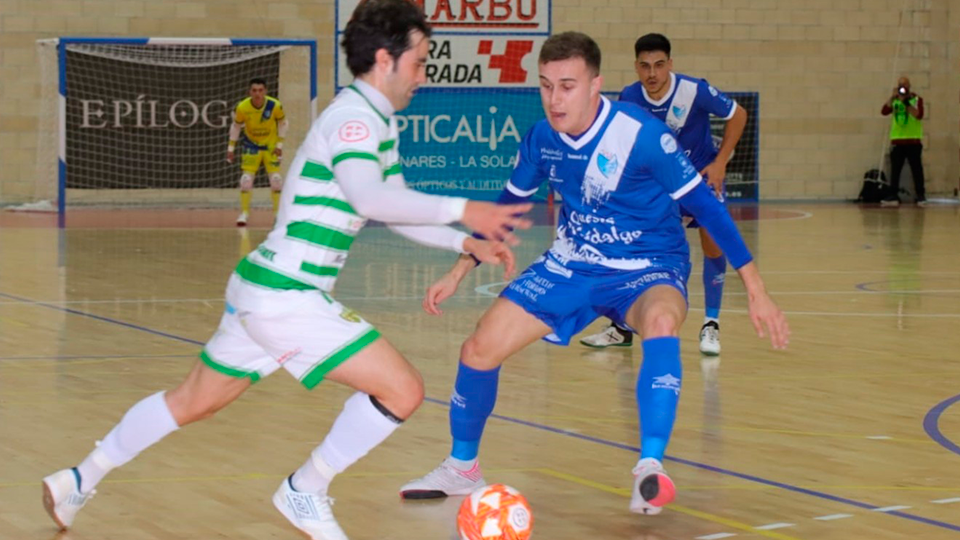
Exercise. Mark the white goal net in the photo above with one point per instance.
(145, 122)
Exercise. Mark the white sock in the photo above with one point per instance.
(711, 319)
(461, 464)
(143, 426)
(360, 427)
(315, 475)
(93, 468)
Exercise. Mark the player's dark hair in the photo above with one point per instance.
(380, 24)
(258, 80)
(650, 43)
(571, 45)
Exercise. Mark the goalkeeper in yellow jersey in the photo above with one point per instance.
(261, 120)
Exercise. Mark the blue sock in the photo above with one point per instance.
(658, 391)
(474, 395)
(714, 274)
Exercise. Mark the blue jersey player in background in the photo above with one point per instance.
(686, 105)
(620, 252)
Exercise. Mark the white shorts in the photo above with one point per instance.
(308, 333)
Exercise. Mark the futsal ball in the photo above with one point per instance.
(495, 512)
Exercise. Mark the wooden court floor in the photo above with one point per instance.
(852, 433)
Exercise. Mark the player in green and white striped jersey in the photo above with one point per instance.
(279, 312)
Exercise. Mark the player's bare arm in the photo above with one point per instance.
(716, 171)
(446, 286)
(764, 312)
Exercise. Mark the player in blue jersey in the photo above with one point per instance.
(620, 252)
(686, 104)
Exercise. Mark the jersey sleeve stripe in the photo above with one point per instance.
(354, 155)
(324, 271)
(732, 111)
(338, 204)
(520, 192)
(392, 170)
(319, 235)
(686, 189)
(315, 171)
(387, 145)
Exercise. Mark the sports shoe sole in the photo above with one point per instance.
(49, 505)
(423, 494)
(626, 344)
(658, 490)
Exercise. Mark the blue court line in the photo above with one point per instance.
(99, 318)
(573, 434)
(719, 470)
(931, 424)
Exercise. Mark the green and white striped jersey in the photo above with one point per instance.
(316, 225)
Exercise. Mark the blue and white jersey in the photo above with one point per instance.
(619, 181)
(686, 109)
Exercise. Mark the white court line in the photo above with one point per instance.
(717, 536)
(800, 214)
(832, 517)
(880, 437)
(773, 526)
(890, 508)
(946, 501)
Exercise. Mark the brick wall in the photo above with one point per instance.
(823, 68)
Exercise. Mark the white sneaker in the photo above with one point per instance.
(652, 488)
(710, 339)
(444, 481)
(611, 337)
(309, 512)
(62, 498)
(242, 219)
(890, 202)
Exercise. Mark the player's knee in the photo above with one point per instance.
(276, 182)
(405, 394)
(663, 323)
(246, 182)
(480, 352)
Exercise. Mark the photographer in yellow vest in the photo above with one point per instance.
(906, 140)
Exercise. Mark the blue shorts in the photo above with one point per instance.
(569, 300)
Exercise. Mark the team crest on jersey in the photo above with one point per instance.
(350, 315)
(679, 111)
(353, 131)
(668, 143)
(607, 163)
(553, 175)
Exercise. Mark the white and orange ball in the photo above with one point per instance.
(495, 512)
